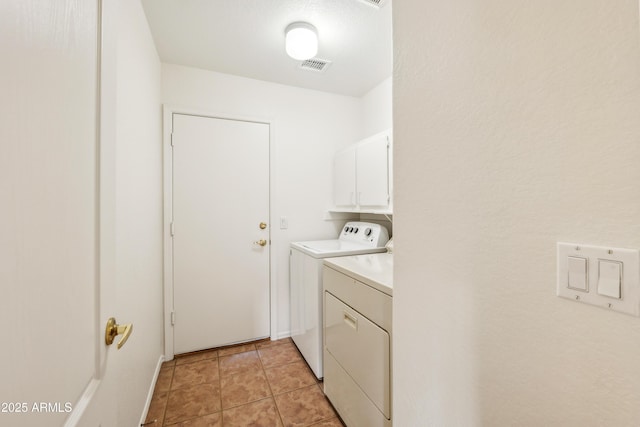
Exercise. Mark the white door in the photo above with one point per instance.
(54, 263)
(220, 251)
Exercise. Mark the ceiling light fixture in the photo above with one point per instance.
(301, 40)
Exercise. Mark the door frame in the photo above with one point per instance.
(167, 126)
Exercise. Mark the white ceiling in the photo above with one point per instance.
(246, 38)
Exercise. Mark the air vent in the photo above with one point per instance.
(315, 64)
(376, 3)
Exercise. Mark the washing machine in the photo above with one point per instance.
(305, 282)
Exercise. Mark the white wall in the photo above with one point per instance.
(308, 127)
(138, 210)
(377, 109)
(516, 126)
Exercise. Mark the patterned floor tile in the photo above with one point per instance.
(157, 407)
(192, 389)
(262, 413)
(304, 407)
(212, 420)
(244, 388)
(270, 343)
(196, 357)
(239, 363)
(192, 402)
(236, 349)
(202, 372)
(333, 422)
(164, 379)
(289, 377)
(279, 355)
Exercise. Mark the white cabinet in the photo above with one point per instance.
(362, 176)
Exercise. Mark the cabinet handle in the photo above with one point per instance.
(350, 320)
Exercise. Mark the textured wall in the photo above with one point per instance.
(377, 115)
(516, 126)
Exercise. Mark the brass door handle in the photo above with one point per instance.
(114, 329)
(260, 242)
(263, 225)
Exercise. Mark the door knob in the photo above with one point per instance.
(263, 225)
(260, 242)
(114, 329)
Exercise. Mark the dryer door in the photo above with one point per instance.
(362, 349)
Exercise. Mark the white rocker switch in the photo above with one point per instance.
(609, 278)
(577, 274)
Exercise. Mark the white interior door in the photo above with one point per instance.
(220, 199)
(55, 281)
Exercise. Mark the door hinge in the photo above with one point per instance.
(171, 229)
(173, 318)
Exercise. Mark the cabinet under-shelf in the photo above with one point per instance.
(350, 215)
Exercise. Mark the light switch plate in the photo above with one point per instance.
(629, 301)
(284, 223)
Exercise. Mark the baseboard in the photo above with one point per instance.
(147, 404)
(285, 334)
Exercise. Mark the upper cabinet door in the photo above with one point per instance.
(372, 171)
(362, 177)
(344, 177)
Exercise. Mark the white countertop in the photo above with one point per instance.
(375, 270)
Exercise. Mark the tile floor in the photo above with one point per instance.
(266, 383)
